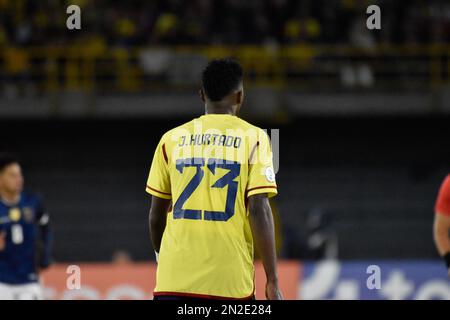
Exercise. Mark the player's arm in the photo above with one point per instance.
(262, 225)
(45, 238)
(441, 233)
(441, 227)
(157, 220)
(158, 185)
(2, 240)
(2, 236)
(441, 237)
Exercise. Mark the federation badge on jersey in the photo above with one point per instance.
(28, 214)
(14, 214)
(270, 174)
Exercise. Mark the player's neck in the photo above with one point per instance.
(220, 110)
(221, 113)
(10, 198)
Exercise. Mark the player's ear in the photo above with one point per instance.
(239, 97)
(201, 92)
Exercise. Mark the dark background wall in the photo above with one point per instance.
(377, 178)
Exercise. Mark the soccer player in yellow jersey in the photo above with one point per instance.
(210, 181)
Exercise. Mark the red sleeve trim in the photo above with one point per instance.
(256, 188)
(263, 187)
(153, 189)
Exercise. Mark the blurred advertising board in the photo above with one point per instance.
(135, 281)
(361, 280)
(375, 280)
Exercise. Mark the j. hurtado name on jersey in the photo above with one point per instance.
(210, 140)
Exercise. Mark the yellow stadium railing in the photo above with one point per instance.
(95, 67)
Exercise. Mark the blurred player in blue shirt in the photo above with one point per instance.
(25, 237)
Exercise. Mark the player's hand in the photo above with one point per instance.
(2, 241)
(273, 291)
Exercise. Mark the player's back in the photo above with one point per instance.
(208, 167)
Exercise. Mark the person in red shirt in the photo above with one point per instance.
(442, 222)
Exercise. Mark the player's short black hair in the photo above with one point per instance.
(221, 77)
(7, 159)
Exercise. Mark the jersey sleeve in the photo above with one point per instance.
(44, 243)
(42, 215)
(443, 200)
(158, 183)
(261, 173)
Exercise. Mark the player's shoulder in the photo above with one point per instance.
(254, 130)
(246, 124)
(251, 128)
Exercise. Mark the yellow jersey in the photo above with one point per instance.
(208, 167)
